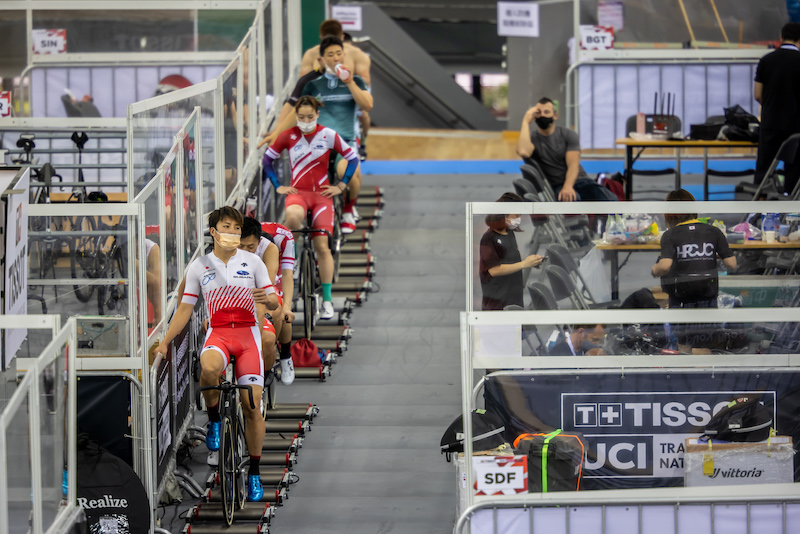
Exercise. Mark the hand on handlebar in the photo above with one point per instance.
(288, 314)
(331, 191)
(286, 190)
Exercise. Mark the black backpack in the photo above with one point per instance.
(737, 125)
(488, 432)
(744, 419)
(110, 492)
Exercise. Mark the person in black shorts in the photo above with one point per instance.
(500, 261)
(777, 89)
(687, 264)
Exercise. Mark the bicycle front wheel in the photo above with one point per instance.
(227, 469)
(241, 449)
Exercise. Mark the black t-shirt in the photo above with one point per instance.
(693, 248)
(779, 72)
(297, 92)
(499, 291)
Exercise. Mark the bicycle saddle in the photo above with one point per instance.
(79, 138)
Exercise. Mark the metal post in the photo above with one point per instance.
(219, 146)
(276, 33)
(4, 526)
(35, 443)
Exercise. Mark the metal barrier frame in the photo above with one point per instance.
(29, 387)
(572, 87)
(135, 208)
(543, 365)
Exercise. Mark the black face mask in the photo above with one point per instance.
(544, 122)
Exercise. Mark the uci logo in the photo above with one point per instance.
(207, 278)
(243, 273)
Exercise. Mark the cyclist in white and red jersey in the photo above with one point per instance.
(265, 246)
(309, 146)
(227, 278)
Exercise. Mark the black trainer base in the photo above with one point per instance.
(212, 512)
(270, 495)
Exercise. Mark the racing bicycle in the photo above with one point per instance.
(231, 472)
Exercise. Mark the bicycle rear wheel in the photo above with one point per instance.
(309, 284)
(227, 469)
(336, 242)
(83, 254)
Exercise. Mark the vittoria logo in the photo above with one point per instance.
(733, 472)
(106, 502)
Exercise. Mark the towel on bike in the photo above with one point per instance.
(306, 354)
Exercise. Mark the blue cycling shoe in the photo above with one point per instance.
(212, 436)
(255, 492)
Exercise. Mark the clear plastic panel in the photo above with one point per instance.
(172, 209)
(221, 30)
(153, 133)
(80, 248)
(231, 132)
(287, 71)
(265, 63)
(52, 419)
(107, 90)
(602, 260)
(248, 81)
(190, 144)
(608, 429)
(18, 470)
(154, 241)
(116, 31)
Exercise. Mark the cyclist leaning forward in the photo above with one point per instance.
(228, 278)
(309, 146)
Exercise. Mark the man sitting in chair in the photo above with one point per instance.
(557, 150)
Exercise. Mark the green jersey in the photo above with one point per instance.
(339, 112)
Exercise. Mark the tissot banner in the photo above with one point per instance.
(635, 425)
(16, 262)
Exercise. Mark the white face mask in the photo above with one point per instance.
(307, 127)
(514, 223)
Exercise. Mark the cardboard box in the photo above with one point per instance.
(734, 464)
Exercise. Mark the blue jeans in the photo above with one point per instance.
(588, 189)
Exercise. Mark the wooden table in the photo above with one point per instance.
(630, 144)
(616, 249)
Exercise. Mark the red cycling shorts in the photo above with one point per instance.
(321, 208)
(244, 343)
(269, 327)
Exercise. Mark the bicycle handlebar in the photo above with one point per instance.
(227, 386)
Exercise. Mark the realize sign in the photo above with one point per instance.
(597, 38)
(49, 41)
(500, 475)
(5, 103)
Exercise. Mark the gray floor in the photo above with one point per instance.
(371, 463)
